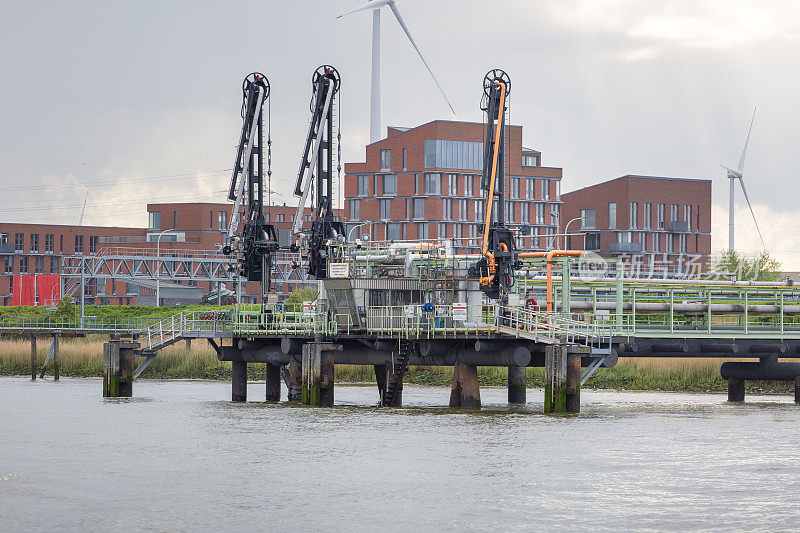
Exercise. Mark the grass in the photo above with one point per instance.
(82, 357)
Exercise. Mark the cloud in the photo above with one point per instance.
(781, 231)
(700, 24)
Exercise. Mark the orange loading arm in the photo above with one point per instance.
(493, 176)
(549, 255)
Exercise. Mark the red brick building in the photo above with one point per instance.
(184, 228)
(424, 183)
(653, 222)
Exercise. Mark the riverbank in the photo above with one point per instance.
(83, 358)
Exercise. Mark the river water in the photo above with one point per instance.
(179, 456)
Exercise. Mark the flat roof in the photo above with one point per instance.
(639, 176)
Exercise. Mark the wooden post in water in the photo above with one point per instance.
(118, 368)
(380, 378)
(555, 379)
(735, 390)
(573, 384)
(797, 389)
(516, 384)
(295, 377)
(56, 367)
(317, 374)
(238, 381)
(188, 344)
(465, 392)
(273, 383)
(33, 357)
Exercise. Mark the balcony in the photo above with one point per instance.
(626, 248)
(6, 248)
(678, 226)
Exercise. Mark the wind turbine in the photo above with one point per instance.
(734, 175)
(375, 85)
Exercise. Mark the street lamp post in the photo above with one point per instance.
(565, 230)
(350, 233)
(158, 266)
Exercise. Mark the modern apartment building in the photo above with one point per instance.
(655, 224)
(173, 229)
(424, 183)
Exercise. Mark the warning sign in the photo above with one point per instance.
(339, 270)
(460, 311)
(309, 308)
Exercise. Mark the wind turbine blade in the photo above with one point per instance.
(403, 25)
(744, 152)
(375, 4)
(744, 190)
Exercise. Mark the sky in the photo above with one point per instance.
(121, 103)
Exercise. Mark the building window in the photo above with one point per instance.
(514, 186)
(462, 210)
(624, 237)
(687, 216)
(656, 238)
(353, 210)
(588, 217)
(9, 263)
(456, 231)
(441, 232)
(291, 217)
(154, 220)
(433, 184)
(386, 159)
(307, 218)
(92, 244)
(447, 209)
(554, 215)
(23, 264)
(612, 215)
(682, 243)
(546, 190)
(668, 248)
(453, 189)
(49, 241)
(419, 208)
(385, 209)
(19, 239)
(593, 241)
(390, 185)
(468, 185)
(530, 161)
(558, 190)
(61, 243)
(673, 212)
(540, 215)
(647, 216)
(660, 215)
(34, 242)
(54, 265)
(78, 244)
(509, 212)
(38, 263)
(479, 210)
(523, 214)
(280, 217)
(462, 155)
(363, 185)
(175, 220)
(422, 230)
(222, 220)
(634, 214)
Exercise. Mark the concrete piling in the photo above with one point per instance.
(735, 390)
(465, 391)
(273, 383)
(317, 371)
(33, 358)
(238, 381)
(516, 384)
(117, 368)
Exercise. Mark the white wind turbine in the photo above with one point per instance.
(375, 86)
(734, 175)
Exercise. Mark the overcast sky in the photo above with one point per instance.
(139, 101)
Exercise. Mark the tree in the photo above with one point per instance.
(66, 308)
(762, 267)
(295, 300)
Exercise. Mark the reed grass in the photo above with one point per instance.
(82, 357)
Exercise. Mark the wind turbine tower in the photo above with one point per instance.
(734, 175)
(375, 84)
